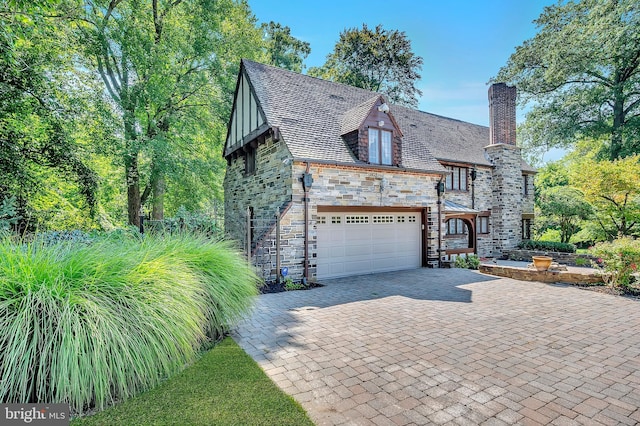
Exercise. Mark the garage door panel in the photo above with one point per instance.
(367, 242)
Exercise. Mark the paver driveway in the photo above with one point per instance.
(433, 346)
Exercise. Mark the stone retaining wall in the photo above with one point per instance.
(526, 274)
(569, 259)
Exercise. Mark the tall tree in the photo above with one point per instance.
(613, 189)
(284, 50)
(377, 60)
(40, 106)
(564, 208)
(581, 76)
(162, 62)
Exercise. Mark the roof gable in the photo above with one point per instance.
(355, 118)
(247, 119)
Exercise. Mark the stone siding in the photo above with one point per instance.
(482, 201)
(506, 210)
(268, 190)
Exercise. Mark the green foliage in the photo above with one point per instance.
(581, 261)
(90, 324)
(613, 189)
(581, 75)
(169, 68)
(41, 106)
(468, 262)
(8, 214)
(290, 285)
(284, 50)
(566, 207)
(550, 175)
(378, 60)
(224, 387)
(547, 246)
(619, 259)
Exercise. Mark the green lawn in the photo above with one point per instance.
(225, 387)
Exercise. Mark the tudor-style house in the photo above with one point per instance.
(365, 186)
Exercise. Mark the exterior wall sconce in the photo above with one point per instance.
(474, 174)
(307, 181)
(440, 188)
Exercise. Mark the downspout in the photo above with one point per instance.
(440, 190)
(474, 175)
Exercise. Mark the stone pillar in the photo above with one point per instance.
(507, 202)
(506, 209)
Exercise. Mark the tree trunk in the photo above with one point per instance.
(158, 190)
(616, 130)
(133, 189)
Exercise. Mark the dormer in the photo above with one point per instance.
(372, 133)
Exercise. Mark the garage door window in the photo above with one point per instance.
(357, 219)
(382, 219)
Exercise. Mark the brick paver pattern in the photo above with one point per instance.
(434, 346)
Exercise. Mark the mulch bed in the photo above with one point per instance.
(273, 287)
(632, 292)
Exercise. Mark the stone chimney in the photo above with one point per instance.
(502, 114)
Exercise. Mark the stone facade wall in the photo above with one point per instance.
(507, 199)
(266, 191)
(482, 201)
(356, 186)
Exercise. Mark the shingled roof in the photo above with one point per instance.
(312, 114)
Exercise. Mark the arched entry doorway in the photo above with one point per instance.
(460, 230)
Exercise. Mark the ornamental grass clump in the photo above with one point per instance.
(618, 259)
(93, 324)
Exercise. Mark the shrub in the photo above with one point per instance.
(8, 214)
(619, 259)
(468, 262)
(90, 324)
(547, 246)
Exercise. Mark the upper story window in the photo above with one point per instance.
(525, 185)
(457, 178)
(250, 160)
(380, 146)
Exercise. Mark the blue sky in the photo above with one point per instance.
(463, 43)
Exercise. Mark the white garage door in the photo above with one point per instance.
(363, 243)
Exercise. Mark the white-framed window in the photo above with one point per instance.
(456, 179)
(380, 147)
(456, 227)
(321, 220)
(483, 224)
(411, 219)
(336, 219)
